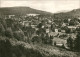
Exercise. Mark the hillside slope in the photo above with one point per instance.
(20, 11)
(71, 14)
(22, 49)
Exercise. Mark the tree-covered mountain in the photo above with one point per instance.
(71, 14)
(21, 11)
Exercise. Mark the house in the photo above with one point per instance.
(59, 42)
(72, 28)
(69, 20)
(73, 35)
(36, 29)
(52, 34)
(10, 16)
(63, 31)
(56, 30)
(33, 26)
(32, 14)
(79, 18)
(78, 25)
(64, 24)
(49, 21)
(47, 31)
(48, 25)
(43, 26)
(26, 23)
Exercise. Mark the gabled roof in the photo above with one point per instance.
(72, 27)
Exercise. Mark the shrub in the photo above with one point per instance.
(9, 33)
(5, 48)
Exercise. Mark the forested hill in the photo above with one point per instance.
(71, 14)
(21, 11)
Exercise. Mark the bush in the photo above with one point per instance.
(20, 51)
(36, 39)
(5, 48)
(19, 35)
(2, 30)
(9, 33)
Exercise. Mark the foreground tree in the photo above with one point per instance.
(5, 48)
(70, 43)
(19, 35)
(77, 42)
(2, 30)
(9, 33)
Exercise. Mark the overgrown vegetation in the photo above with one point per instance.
(18, 41)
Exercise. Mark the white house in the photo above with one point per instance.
(36, 29)
(31, 14)
(79, 18)
(26, 23)
(42, 26)
(72, 27)
(56, 30)
(64, 24)
(33, 26)
(69, 20)
(63, 31)
(10, 16)
(47, 30)
(49, 21)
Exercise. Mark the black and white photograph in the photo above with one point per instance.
(39, 28)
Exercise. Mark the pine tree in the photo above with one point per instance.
(5, 48)
(9, 33)
(2, 30)
(70, 43)
(42, 37)
(19, 35)
(47, 39)
(77, 42)
(51, 40)
(4, 23)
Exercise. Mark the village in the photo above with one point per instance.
(39, 28)
(48, 26)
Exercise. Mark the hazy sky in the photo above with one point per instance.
(45, 5)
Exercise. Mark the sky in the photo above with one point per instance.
(45, 5)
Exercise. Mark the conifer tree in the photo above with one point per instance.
(70, 43)
(9, 33)
(2, 30)
(77, 42)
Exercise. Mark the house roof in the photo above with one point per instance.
(52, 33)
(59, 41)
(72, 27)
